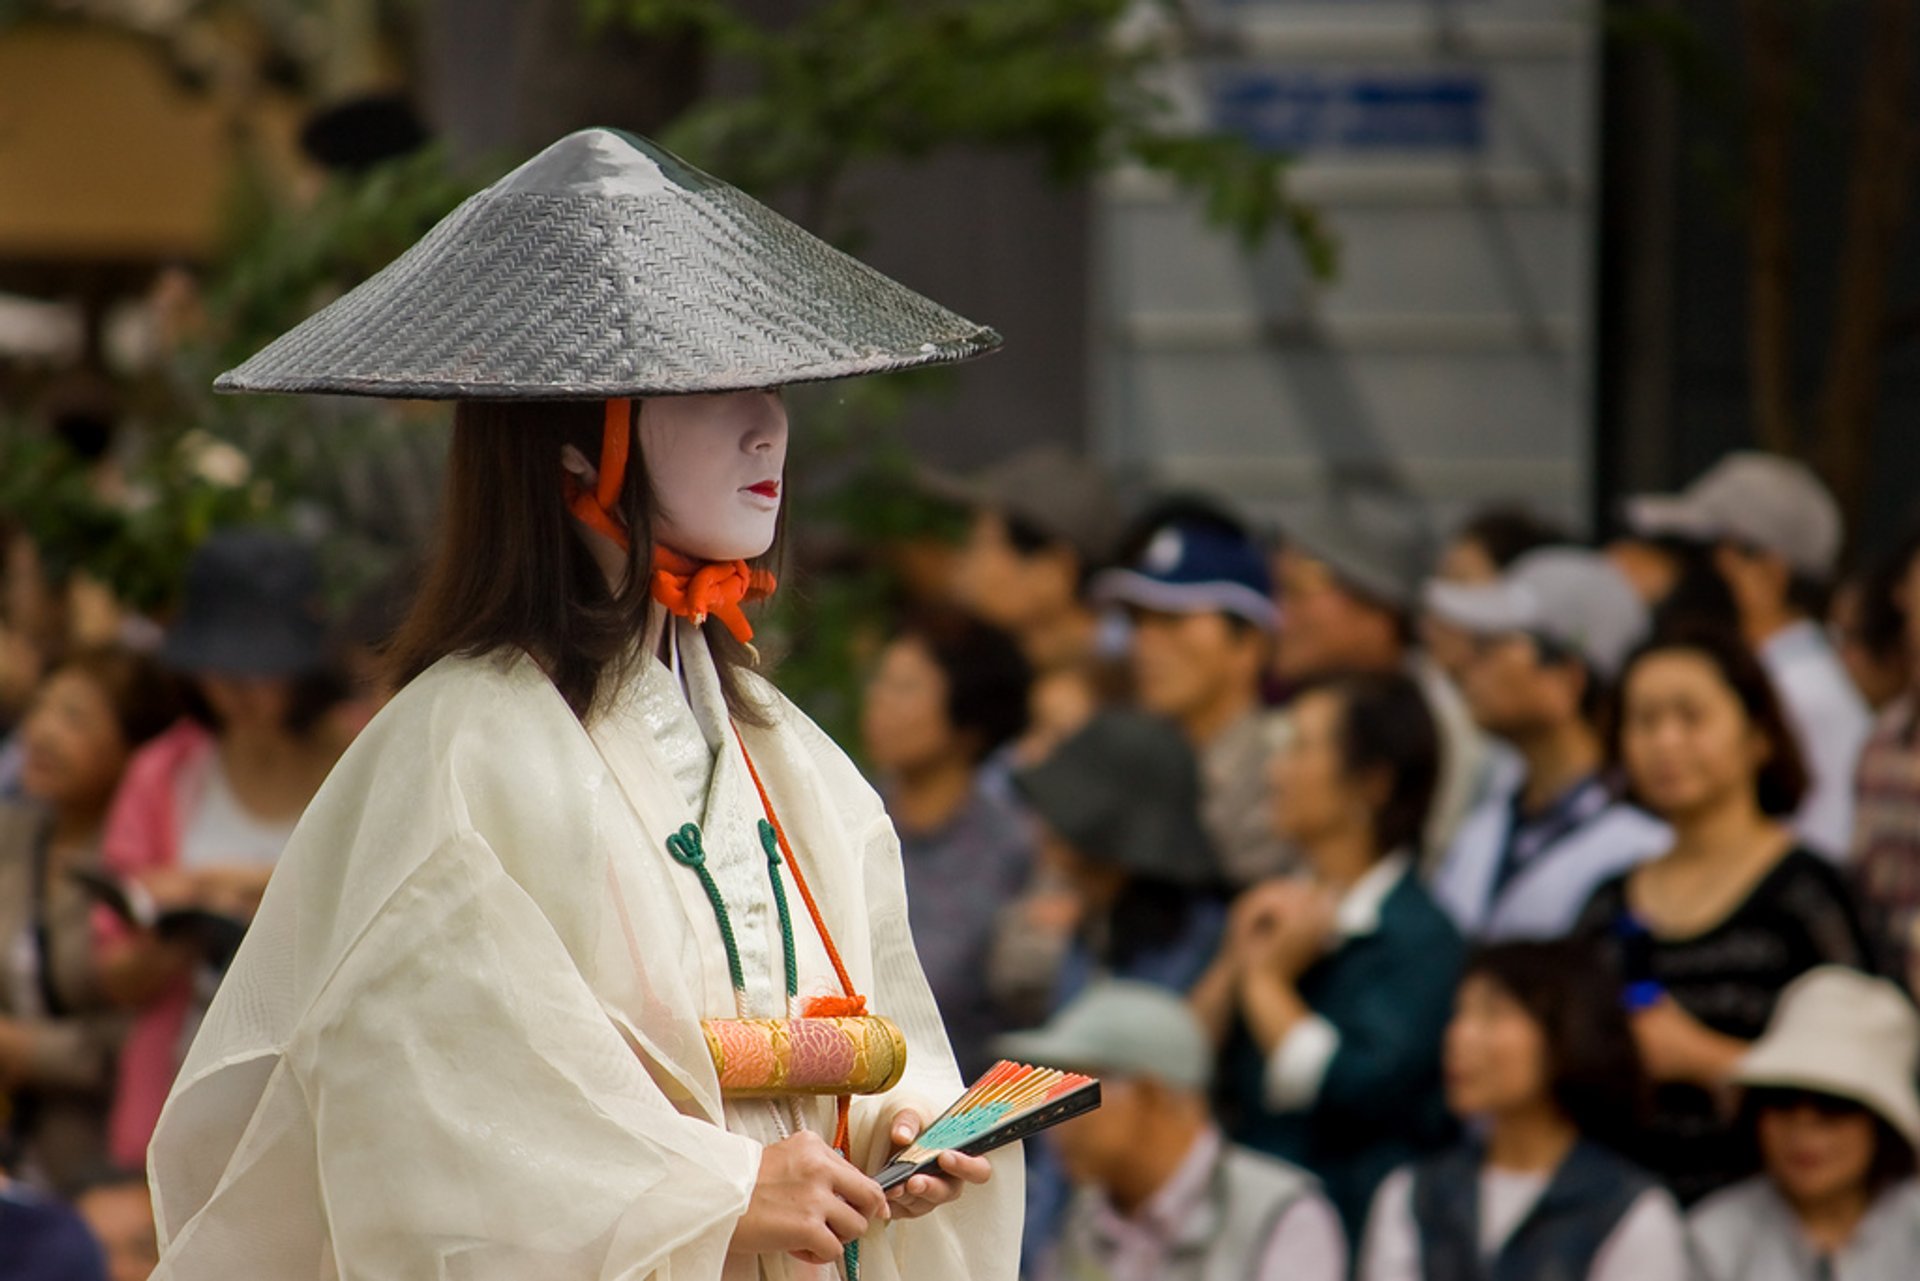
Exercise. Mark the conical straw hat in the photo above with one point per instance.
(607, 267)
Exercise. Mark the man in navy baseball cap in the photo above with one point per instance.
(1201, 603)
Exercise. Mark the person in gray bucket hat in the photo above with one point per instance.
(1118, 806)
(591, 960)
(1158, 1191)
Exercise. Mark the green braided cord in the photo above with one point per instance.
(770, 842)
(853, 1261)
(686, 848)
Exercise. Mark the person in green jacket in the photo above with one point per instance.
(1332, 992)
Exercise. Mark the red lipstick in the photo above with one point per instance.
(766, 489)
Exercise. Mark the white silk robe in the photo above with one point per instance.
(462, 1039)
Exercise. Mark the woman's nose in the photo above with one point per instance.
(769, 424)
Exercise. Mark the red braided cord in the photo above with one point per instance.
(852, 1004)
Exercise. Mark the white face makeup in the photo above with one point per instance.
(718, 467)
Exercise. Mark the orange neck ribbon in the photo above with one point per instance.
(688, 588)
(695, 589)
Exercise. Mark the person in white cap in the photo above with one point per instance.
(1831, 1103)
(1544, 642)
(1776, 534)
(1159, 1192)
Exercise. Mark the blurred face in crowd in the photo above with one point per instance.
(1187, 667)
(74, 747)
(1495, 1053)
(1880, 677)
(716, 463)
(1652, 570)
(1907, 596)
(1093, 1145)
(996, 580)
(1686, 741)
(1512, 693)
(1761, 582)
(1325, 627)
(1314, 796)
(1467, 561)
(251, 703)
(121, 1218)
(1097, 885)
(1816, 1148)
(1059, 705)
(1450, 647)
(904, 721)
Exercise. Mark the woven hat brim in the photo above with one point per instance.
(524, 295)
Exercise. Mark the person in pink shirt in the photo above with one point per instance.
(205, 808)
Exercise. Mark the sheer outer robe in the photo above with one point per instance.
(462, 1039)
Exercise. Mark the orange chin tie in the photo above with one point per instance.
(694, 589)
(688, 588)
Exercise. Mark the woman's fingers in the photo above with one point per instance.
(925, 1192)
(858, 1192)
(845, 1223)
(907, 1124)
(968, 1169)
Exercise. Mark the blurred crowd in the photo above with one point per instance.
(148, 782)
(1502, 908)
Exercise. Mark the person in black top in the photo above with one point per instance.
(1706, 936)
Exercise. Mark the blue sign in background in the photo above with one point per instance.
(1307, 111)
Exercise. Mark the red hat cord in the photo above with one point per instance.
(686, 587)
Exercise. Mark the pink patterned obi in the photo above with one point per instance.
(767, 1058)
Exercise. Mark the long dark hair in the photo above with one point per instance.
(1385, 724)
(509, 572)
(1782, 781)
(1593, 1069)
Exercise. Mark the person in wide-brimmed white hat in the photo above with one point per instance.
(1831, 1101)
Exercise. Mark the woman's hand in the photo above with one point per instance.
(1282, 927)
(1675, 1046)
(808, 1202)
(925, 1192)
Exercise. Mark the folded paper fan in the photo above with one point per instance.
(1011, 1102)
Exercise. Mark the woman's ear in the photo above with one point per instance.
(575, 464)
(1375, 788)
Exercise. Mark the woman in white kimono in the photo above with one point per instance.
(464, 1038)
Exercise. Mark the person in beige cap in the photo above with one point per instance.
(1542, 645)
(1831, 1100)
(1159, 1193)
(1776, 534)
(1043, 521)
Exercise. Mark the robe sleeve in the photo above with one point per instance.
(459, 1104)
(978, 1236)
